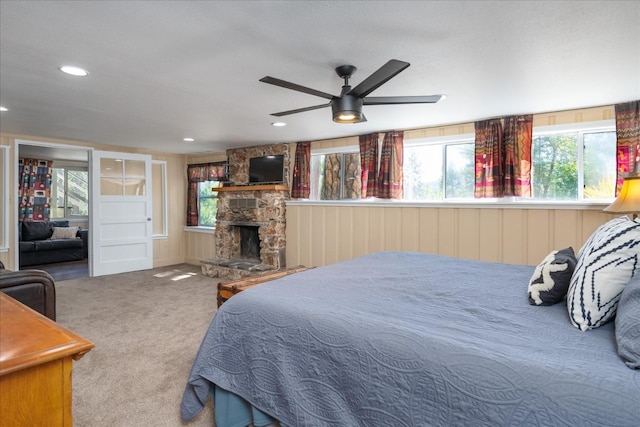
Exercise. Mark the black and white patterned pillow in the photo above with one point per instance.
(606, 263)
(550, 280)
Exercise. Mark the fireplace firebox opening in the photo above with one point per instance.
(249, 242)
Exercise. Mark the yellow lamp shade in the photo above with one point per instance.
(628, 201)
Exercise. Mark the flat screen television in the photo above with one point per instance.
(267, 169)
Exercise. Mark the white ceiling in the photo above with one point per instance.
(164, 70)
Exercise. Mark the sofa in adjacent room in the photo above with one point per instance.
(47, 242)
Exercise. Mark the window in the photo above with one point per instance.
(335, 176)
(569, 163)
(437, 170)
(69, 192)
(459, 171)
(202, 202)
(574, 165)
(207, 203)
(122, 177)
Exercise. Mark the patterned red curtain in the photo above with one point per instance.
(34, 189)
(517, 155)
(488, 153)
(301, 184)
(628, 140)
(390, 179)
(196, 174)
(369, 165)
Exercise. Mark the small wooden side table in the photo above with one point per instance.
(35, 367)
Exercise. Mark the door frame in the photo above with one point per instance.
(16, 155)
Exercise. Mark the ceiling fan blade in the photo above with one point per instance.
(293, 86)
(378, 78)
(300, 110)
(389, 100)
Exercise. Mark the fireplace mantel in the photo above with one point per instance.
(263, 187)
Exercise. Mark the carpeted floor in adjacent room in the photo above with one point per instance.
(147, 327)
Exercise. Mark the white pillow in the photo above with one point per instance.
(64, 232)
(606, 263)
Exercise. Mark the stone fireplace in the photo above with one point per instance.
(250, 223)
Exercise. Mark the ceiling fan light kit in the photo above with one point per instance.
(347, 108)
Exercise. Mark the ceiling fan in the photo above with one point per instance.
(347, 107)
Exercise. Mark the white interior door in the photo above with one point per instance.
(121, 228)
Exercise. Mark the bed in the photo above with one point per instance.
(411, 339)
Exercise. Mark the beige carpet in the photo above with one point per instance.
(147, 327)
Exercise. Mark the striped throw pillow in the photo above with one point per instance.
(606, 263)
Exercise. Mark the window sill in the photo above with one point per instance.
(200, 229)
(476, 204)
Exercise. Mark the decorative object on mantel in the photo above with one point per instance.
(628, 201)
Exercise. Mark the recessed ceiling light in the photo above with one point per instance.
(188, 139)
(74, 71)
(3, 108)
(278, 124)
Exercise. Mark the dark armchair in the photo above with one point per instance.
(33, 288)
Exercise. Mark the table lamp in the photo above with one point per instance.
(628, 201)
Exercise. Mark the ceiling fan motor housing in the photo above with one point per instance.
(347, 109)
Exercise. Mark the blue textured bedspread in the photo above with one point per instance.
(409, 339)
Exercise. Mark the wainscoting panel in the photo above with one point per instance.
(539, 229)
(427, 230)
(468, 233)
(514, 236)
(199, 246)
(323, 234)
(490, 230)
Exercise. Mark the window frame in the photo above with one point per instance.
(214, 195)
(581, 129)
(165, 208)
(70, 166)
(467, 138)
(4, 198)
(343, 151)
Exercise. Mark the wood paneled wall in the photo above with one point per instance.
(319, 235)
(199, 246)
(170, 250)
(322, 234)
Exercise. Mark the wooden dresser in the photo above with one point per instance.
(35, 367)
